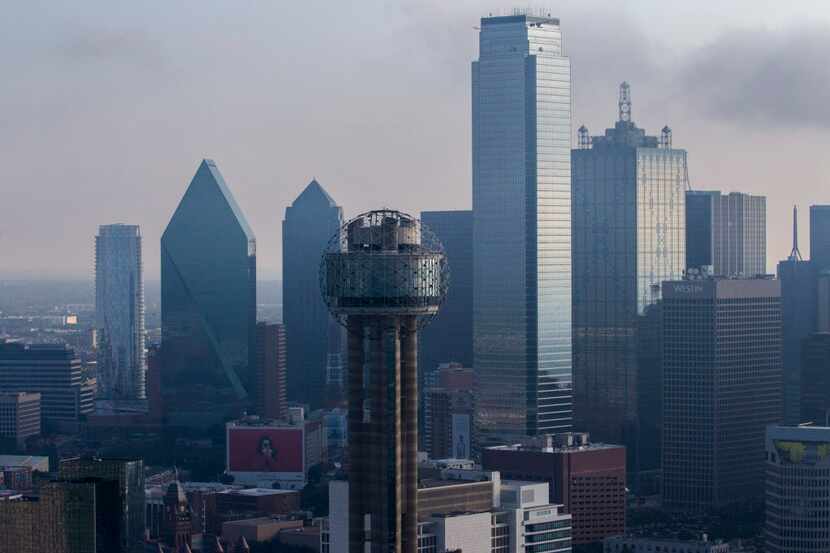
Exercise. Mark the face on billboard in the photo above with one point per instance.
(265, 450)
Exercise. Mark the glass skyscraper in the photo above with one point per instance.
(820, 237)
(311, 334)
(208, 305)
(628, 237)
(119, 312)
(521, 115)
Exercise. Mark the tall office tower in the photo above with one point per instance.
(309, 224)
(448, 411)
(797, 494)
(628, 236)
(383, 278)
(727, 232)
(52, 370)
(721, 388)
(128, 476)
(815, 379)
(119, 312)
(450, 336)
(521, 115)
(798, 309)
(820, 237)
(270, 371)
(208, 305)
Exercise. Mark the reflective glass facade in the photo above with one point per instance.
(521, 91)
(119, 312)
(311, 333)
(629, 236)
(208, 300)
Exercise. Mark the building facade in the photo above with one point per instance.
(587, 479)
(820, 237)
(448, 412)
(722, 385)
(815, 379)
(271, 366)
(53, 371)
(119, 312)
(628, 236)
(208, 305)
(797, 494)
(624, 544)
(311, 335)
(521, 117)
(19, 416)
(727, 232)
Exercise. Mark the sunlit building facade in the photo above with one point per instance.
(208, 299)
(521, 117)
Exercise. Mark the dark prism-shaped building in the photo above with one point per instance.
(311, 333)
(208, 297)
(820, 237)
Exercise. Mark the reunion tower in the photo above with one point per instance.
(383, 276)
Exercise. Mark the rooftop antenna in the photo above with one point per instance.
(625, 102)
(584, 138)
(665, 138)
(795, 255)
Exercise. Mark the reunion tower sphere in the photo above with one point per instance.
(384, 262)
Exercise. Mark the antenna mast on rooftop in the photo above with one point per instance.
(625, 102)
(795, 255)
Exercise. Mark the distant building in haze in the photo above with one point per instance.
(52, 370)
(450, 336)
(722, 376)
(19, 416)
(521, 119)
(814, 397)
(727, 232)
(629, 213)
(797, 494)
(119, 312)
(820, 237)
(448, 412)
(270, 370)
(208, 305)
(311, 335)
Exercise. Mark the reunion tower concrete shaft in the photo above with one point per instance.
(383, 276)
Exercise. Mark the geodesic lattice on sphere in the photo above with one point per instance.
(384, 262)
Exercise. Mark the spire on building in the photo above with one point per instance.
(625, 102)
(795, 255)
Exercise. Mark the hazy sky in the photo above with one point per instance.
(107, 107)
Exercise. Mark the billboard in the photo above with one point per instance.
(460, 436)
(267, 452)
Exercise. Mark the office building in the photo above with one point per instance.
(820, 237)
(727, 232)
(797, 494)
(722, 376)
(311, 335)
(815, 379)
(535, 525)
(799, 294)
(450, 336)
(119, 312)
(628, 236)
(53, 371)
(127, 475)
(521, 140)
(587, 479)
(448, 412)
(383, 279)
(208, 305)
(270, 388)
(19, 416)
(633, 544)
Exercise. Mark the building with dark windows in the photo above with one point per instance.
(119, 313)
(628, 236)
(521, 138)
(815, 378)
(53, 371)
(722, 375)
(19, 416)
(587, 479)
(270, 371)
(448, 412)
(450, 336)
(797, 494)
(208, 305)
(126, 476)
(820, 237)
(311, 334)
(727, 232)
(799, 315)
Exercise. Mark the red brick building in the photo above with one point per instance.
(587, 479)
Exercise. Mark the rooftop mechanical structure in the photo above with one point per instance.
(383, 276)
